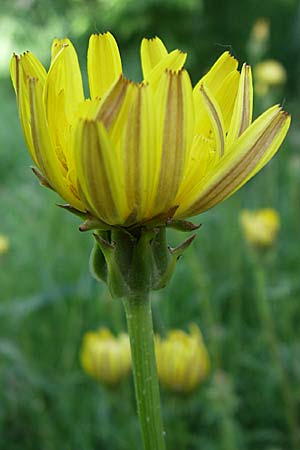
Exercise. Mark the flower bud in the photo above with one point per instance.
(104, 357)
(4, 244)
(261, 30)
(182, 360)
(258, 42)
(260, 227)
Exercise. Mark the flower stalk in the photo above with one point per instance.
(133, 264)
(140, 329)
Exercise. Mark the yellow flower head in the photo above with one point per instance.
(134, 151)
(182, 360)
(104, 357)
(4, 244)
(260, 227)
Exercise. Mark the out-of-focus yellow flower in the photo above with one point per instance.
(4, 244)
(182, 360)
(258, 40)
(268, 73)
(135, 151)
(105, 357)
(261, 29)
(260, 227)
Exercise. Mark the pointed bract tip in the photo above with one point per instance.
(92, 223)
(43, 180)
(180, 249)
(71, 209)
(172, 211)
(103, 242)
(183, 225)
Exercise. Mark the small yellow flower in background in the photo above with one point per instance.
(267, 74)
(182, 360)
(270, 72)
(104, 357)
(261, 29)
(258, 40)
(260, 227)
(135, 151)
(4, 244)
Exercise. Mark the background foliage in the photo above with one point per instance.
(248, 306)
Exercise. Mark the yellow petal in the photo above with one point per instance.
(30, 67)
(87, 110)
(63, 89)
(225, 96)
(63, 94)
(216, 119)
(21, 68)
(175, 121)
(139, 152)
(43, 147)
(57, 46)
(104, 63)
(113, 108)
(173, 61)
(100, 178)
(202, 157)
(219, 71)
(242, 113)
(40, 138)
(152, 52)
(128, 114)
(254, 148)
(223, 86)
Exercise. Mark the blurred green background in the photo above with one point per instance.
(247, 305)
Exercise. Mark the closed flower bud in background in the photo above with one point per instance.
(4, 244)
(261, 29)
(182, 360)
(105, 357)
(257, 44)
(260, 227)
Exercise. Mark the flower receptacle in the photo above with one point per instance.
(134, 263)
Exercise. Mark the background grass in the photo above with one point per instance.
(248, 306)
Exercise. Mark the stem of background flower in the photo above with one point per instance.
(268, 325)
(207, 312)
(140, 329)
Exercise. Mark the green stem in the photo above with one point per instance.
(140, 329)
(207, 311)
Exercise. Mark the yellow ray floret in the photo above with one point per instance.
(135, 151)
(250, 152)
(104, 63)
(152, 52)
